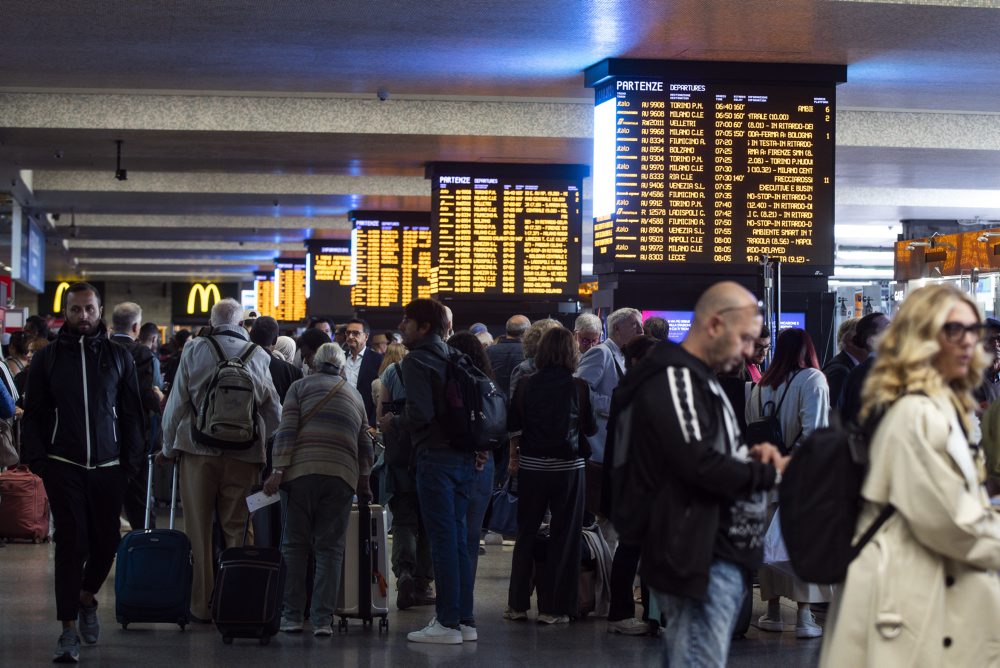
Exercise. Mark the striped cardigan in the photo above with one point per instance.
(334, 440)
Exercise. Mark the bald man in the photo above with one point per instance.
(687, 488)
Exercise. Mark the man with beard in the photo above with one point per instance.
(83, 433)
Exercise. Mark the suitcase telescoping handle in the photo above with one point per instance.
(149, 492)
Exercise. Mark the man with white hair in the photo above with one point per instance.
(603, 367)
(216, 480)
(587, 330)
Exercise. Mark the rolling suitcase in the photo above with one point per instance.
(363, 586)
(249, 590)
(24, 506)
(154, 571)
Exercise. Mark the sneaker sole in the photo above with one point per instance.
(66, 658)
(629, 632)
(438, 640)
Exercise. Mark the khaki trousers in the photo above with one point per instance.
(210, 486)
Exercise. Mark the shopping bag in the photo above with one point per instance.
(503, 510)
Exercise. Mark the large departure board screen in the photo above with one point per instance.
(282, 294)
(712, 166)
(394, 254)
(507, 231)
(329, 276)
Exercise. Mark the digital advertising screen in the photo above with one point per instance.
(506, 230)
(713, 166)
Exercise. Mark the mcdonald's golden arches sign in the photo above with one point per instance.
(195, 300)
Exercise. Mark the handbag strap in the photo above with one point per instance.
(322, 402)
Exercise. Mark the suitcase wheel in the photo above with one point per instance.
(124, 626)
(266, 640)
(228, 640)
(182, 625)
(342, 626)
(383, 624)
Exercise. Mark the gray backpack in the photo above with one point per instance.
(227, 418)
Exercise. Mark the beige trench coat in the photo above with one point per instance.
(924, 591)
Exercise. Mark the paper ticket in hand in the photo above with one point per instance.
(257, 501)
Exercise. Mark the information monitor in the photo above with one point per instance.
(282, 294)
(394, 257)
(706, 167)
(507, 230)
(329, 277)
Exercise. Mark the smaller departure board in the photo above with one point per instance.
(394, 253)
(507, 230)
(329, 276)
(282, 294)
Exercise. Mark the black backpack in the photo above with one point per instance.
(767, 428)
(820, 500)
(475, 410)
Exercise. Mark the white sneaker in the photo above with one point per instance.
(553, 619)
(808, 628)
(323, 631)
(469, 633)
(629, 627)
(493, 538)
(290, 627)
(437, 634)
(766, 623)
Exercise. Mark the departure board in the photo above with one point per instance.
(329, 276)
(713, 166)
(506, 230)
(282, 294)
(394, 253)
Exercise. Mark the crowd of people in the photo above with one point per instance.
(667, 456)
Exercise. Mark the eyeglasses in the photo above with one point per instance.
(354, 332)
(590, 341)
(761, 348)
(954, 332)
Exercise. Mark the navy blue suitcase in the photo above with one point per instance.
(249, 592)
(154, 571)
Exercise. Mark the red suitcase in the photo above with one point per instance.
(24, 506)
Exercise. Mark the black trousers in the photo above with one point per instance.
(559, 579)
(85, 506)
(623, 569)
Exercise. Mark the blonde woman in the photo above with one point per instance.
(924, 591)
(382, 392)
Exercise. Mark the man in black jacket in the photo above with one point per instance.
(362, 363)
(83, 432)
(126, 320)
(691, 493)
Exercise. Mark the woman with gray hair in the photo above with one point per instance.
(322, 455)
(285, 346)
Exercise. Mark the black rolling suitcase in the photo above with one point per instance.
(154, 571)
(249, 588)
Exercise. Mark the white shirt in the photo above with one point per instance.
(353, 367)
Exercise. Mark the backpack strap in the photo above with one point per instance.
(217, 348)
(399, 373)
(883, 517)
(322, 402)
(248, 351)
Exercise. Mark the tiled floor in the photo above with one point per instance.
(28, 633)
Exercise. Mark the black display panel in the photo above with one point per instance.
(507, 231)
(195, 300)
(694, 173)
(329, 276)
(394, 257)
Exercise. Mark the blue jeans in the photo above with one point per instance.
(317, 513)
(698, 633)
(445, 486)
(482, 491)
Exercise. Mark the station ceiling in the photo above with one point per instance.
(248, 127)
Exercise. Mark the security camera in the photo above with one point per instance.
(383, 94)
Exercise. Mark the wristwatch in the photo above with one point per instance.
(278, 471)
